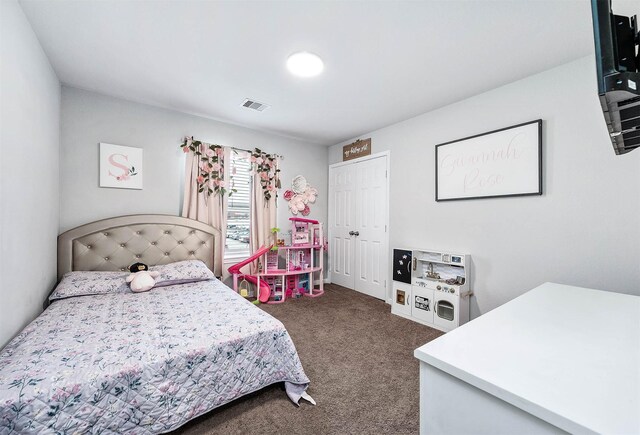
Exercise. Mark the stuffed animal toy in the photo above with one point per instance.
(141, 280)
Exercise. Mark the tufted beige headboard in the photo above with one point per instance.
(116, 243)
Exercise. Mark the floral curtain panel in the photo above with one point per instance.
(205, 198)
(206, 191)
(266, 167)
(264, 194)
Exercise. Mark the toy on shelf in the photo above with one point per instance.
(303, 265)
(245, 289)
(272, 259)
(275, 232)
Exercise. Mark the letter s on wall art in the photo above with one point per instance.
(120, 166)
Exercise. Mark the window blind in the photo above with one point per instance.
(238, 209)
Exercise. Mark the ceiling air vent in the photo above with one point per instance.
(255, 105)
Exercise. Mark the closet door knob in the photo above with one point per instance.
(356, 233)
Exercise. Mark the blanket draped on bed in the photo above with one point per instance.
(141, 363)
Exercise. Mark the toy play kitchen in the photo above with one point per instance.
(431, 287)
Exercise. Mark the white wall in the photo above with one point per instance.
(89, 118)
(30, 125)
(584, 230)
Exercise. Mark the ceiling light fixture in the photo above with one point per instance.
(304, 64)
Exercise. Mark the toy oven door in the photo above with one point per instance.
(445, 310)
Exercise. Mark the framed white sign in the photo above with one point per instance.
(120, 166)
(505, 162)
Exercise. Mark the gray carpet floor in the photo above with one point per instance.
(359, 358)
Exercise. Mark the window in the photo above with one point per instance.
(238, 207)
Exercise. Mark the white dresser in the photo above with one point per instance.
(558, 358)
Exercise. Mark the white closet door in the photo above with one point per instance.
(341, 222)
(371, 257)
(358, 226)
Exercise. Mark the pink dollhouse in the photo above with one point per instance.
(302, 274)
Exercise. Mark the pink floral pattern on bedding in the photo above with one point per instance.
(84, 283)
(182, 272)
(140, 363)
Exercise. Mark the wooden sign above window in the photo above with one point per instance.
(359, 148)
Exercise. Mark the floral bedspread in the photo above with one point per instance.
(141, 363)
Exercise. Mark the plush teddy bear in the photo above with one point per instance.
(141, 280)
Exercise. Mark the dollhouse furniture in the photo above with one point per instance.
(431, 287)
(302, 266)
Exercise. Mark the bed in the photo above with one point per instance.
(147, 362)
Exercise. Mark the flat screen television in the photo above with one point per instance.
(618, 68)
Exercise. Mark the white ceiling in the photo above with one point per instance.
(385, 61)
